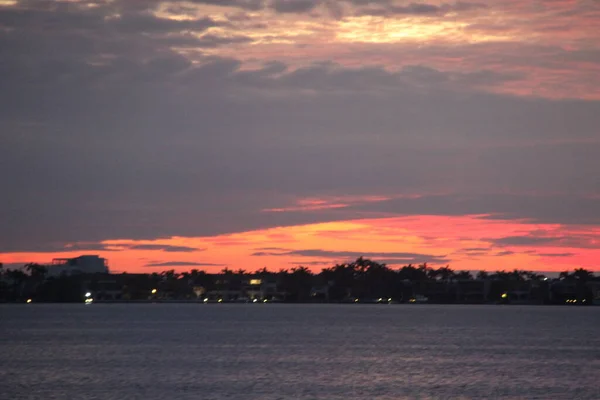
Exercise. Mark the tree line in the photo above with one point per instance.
(359, 280)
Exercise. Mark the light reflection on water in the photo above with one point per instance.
(246, 351)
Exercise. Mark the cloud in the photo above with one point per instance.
(305, 263)
(556, 254)
(59, 247)
(148, 125)
(294, 6)
(165, 248)
(539, 208)
(505, 253)
(90, 247)
(586, 240)
(395, 258)
(314, 204)
(524, 241)
(251, 5)
(374, 8)
(390, 9)
(182, 264)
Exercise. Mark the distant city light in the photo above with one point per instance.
(265, 300)
(153, 291)
(504, 295)
(356, 300)
(89, 301)
(220, 300)
(255, 281)
(255, 300)
(29, 301)
(206, 299)
(390, 300)
(88, 294)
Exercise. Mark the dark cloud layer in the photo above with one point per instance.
(294, 6)
(390, 9)
(386, 8)
(182, 264)
(108, 129)
(389, 257)
(166, 248)
(581, 241)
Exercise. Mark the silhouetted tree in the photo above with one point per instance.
(36, 271)
(582, 275)
(17, 280)
(564, 275)
(446, 273)
(463, 276)
(482, 275)
(299, 283)
(342, 276)
(412, 273)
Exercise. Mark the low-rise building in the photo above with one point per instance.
(85, 264)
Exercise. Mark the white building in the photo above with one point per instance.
(86, 264)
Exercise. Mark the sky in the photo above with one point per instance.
(243, 134)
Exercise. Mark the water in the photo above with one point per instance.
(220, 351)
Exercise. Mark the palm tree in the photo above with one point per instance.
(446, 273)
(463, 276)
(18, 279)
(170, 275)
(302, 270)
(518, 275)
(342, 276)
(299, 283)
(565, 275)
(582, 275)
(433, 274)
(36, 271)
(533, 276)
(482, 275)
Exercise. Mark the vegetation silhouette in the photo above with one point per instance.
(359, 281)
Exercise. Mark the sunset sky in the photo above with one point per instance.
(276, 133)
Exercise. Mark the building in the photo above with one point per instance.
(255, 288)
(86, 264)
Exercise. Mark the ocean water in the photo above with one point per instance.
(262, 351)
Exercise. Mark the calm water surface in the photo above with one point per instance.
(219, 351)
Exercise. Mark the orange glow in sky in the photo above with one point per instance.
(465, 242)
(185, 118)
